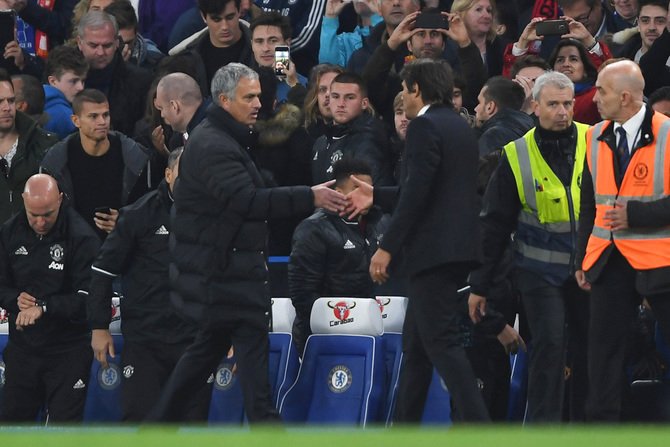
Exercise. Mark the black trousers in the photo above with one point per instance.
(55, 382)
(614, 302)
(557, 315)
(431, 338)
(200, 360)
(145, 370)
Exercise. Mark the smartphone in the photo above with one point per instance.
(104, 210)
(431, 21)
(556, 27)
(282, 59)
(7, 25)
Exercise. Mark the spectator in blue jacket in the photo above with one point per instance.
(337, 48)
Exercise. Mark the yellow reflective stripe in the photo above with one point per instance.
(526, 173)
(540, 254)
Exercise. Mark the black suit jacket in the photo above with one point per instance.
(435, 217)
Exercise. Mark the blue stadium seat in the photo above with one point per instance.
(103, 401)
(341, 379)
(284, 365)
(393, 309)
(663, 349)
(227, 406)
(518, 394)
(438, 402)
(651, 400)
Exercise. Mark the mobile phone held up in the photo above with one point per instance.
(7, 25)
(556, 27)
(282, 53)
(431, 21)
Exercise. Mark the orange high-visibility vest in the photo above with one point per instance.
(646, 179)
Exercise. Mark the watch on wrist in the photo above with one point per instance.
(42, 304)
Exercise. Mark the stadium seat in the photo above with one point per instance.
(341, 379)
(227, 405)
(393, 310)
(438, 402)
(651, 400)
(516, 411)
(103, 401)
(663, 349)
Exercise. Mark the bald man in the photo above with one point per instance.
(624, 242)
(45, 262)
(181, 105)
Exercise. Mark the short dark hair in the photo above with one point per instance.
(504, 92)
(660, 3)
(346, 167)
(63, 59)
(272, 18)
(124, 13)
(32, 93)
(434, 77)
(87, 95)
(528, 60)
(352, 78)
(268, 81)
(214, 7)
(661, 94)
(4, 77)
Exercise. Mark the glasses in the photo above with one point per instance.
(584, 19)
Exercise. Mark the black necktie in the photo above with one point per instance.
(622, 148)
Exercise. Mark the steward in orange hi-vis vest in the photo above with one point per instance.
(646, 179)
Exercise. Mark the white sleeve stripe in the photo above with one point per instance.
(83, 292)
(308, 30)
(104, 272)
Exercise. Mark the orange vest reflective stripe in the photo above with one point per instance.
(646, 179)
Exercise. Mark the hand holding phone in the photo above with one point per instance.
(282, 59)
(556, 27)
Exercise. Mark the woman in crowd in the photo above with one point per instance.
(479, 17)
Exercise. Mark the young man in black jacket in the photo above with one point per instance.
(330, 254)
(45, 264)
(154, 333)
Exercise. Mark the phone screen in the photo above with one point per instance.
(281, 59)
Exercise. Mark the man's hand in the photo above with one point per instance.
(360, 199)
(334, 8)
(126, 52)
(403, 32)
(378, 265)
(102, 343)
(477, 306)
(158, 140)
(511, 340)
(25, 301)
(457, 31)
(16, 5)
(327, 198)
(527, 85)
(528, 35)
(105, 221)
(231, 354)
(13, 49)
(578, 31)
(291, 74)
(373, 5)
(580, 276)
(617, 218)
(28, 317)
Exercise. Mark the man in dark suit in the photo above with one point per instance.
(435, 224)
